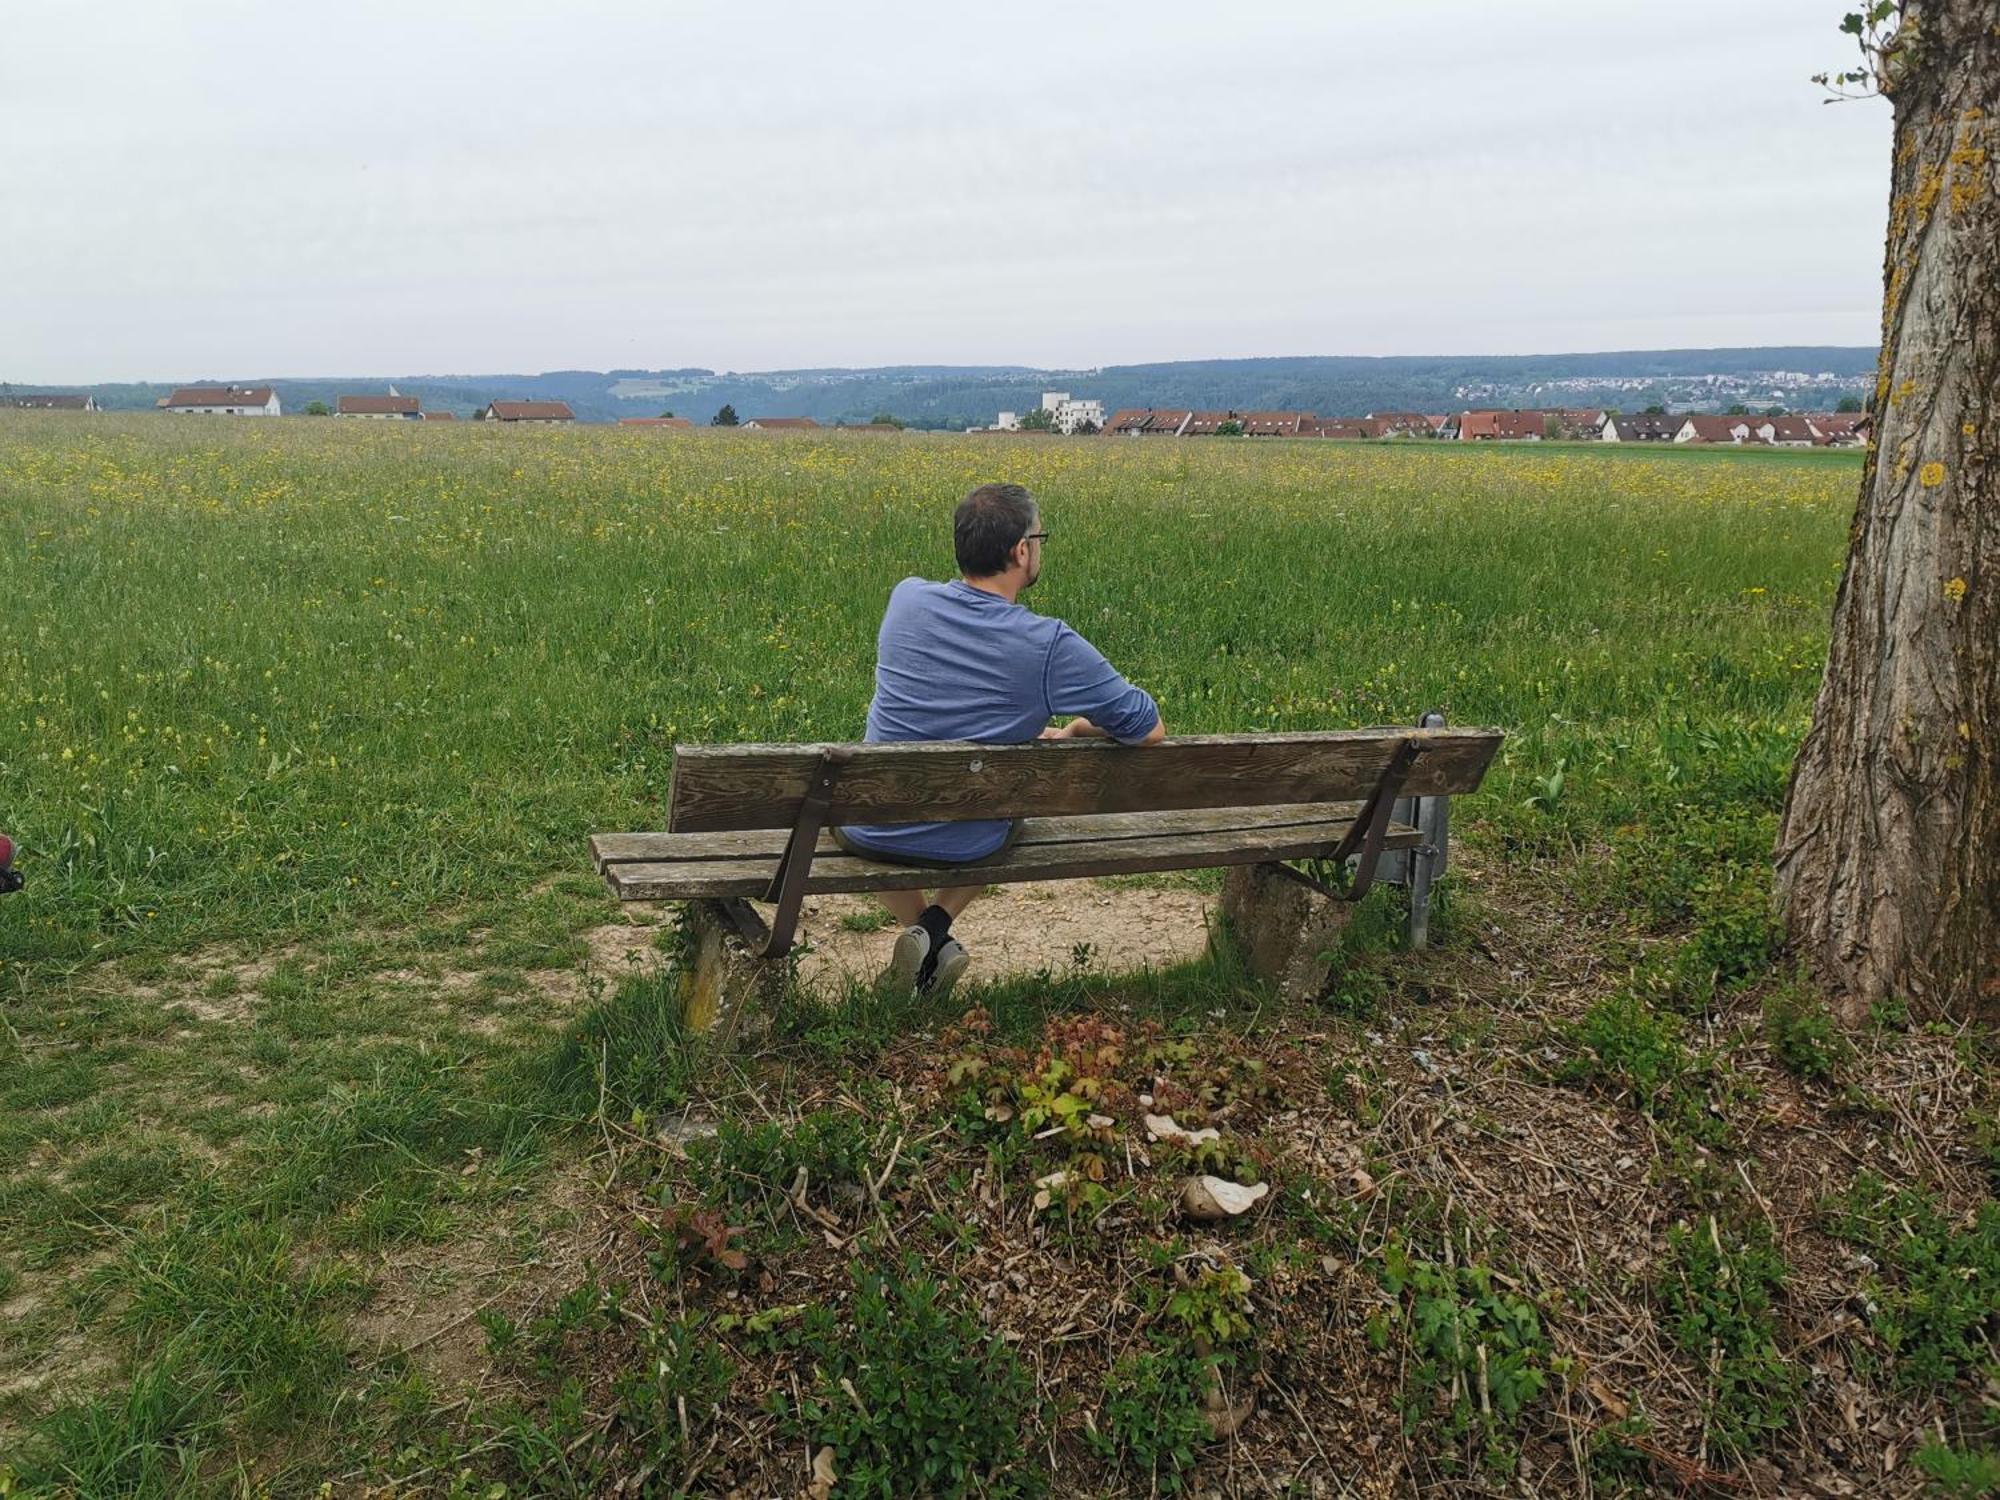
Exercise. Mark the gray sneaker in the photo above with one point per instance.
(906, 960)
(952, 961)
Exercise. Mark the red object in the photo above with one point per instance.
(6, 851)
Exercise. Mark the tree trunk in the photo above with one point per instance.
(1888, 855)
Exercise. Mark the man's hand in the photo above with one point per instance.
(1075, 729)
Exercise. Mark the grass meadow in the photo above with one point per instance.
(329, 1081)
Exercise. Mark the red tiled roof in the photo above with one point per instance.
(1791, 430)
(531, 411)
(220, 395)
(675, 422)
(1714, 429)
(1347, 429)
(1833, 424)
(781, 422)
(51, 403)
(1275, 423)
(1502, 425)
(377, 406)
(440, 416)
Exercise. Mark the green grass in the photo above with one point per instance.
(305, 725)
(342, 677)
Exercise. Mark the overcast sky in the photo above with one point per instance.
(251, 188)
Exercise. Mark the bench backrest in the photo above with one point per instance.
(717, 788)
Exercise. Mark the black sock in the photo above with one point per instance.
(937, 922)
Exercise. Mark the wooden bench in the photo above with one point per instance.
(753, 821)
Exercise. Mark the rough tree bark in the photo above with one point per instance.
(1888, 854)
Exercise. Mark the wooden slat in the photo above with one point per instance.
(1062, 861)
(721, 787)
(609, 849)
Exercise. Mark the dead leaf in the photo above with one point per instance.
(823, 1475)
(1165, 1128)
(1607, 1400)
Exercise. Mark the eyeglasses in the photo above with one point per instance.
(1035, 536)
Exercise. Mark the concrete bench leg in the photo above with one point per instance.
(721, 976)
(1287, 931)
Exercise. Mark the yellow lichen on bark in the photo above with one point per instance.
(1930, 182)
(1931, 475)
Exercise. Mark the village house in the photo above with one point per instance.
(389, 408)
(1342, 429)
(1209, 423)
(528, 413)
(1640, 427)
(676, 424)
(440, 416)
(1146, 422)
(51, 403)
(1844, 429)
(222, 401)
(1790, 432)
(1701, 428)
(1502, 426)
(770, 424)
(1580, 424)
(1275, 423)
(1403, 423)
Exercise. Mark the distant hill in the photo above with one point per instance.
(956, 396)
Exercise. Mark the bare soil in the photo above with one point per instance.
(1025, 929)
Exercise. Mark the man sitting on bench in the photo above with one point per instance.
(964, 661)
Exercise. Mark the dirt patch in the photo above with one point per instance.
(1023, 929)
(426, 1299)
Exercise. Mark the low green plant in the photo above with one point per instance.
(1212, 1305)
(1803, 1033)
(1720, 1294)
(759, 1162)
(917, 1397)
(1960, 1473)
(1635, 1050)
(1149, 1427)
(1939, 1281)
(1481, 1356)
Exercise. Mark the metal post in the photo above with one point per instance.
(1427, 860)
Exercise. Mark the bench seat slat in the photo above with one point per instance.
(722, 787)
(608, 849)
(1060, 859)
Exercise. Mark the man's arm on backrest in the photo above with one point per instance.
(1080, 681)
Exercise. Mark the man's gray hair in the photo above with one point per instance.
(988, 524)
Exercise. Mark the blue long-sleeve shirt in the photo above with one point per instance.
(953, 662)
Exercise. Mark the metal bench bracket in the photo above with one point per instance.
(788, 881)
(1371, 824)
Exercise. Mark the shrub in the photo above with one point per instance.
(1721, 1299)
(1942, 1280)
(1150, 1425)
(1802, 1032)
(919, 1399)
(1482, 1358)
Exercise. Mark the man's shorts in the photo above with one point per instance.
(1013, 834)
